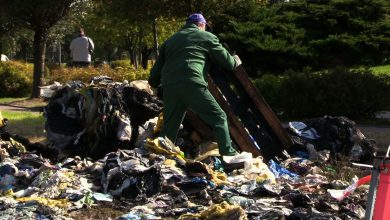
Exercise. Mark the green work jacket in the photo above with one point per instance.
(186, 57)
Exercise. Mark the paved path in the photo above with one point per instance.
(9, 107)
(381, 134)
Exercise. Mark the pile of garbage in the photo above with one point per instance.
(114, 156)
(337, 136)
(156, 181)
(92, 120)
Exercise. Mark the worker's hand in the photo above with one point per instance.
(237, 59)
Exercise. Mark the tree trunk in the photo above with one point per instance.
(131, 56)
(135, 61)
(24, 51)
(140, 57)
(39, 60)
(155, 37)
(145, 55)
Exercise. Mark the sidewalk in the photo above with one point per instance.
(10, 107)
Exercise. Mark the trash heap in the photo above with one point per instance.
(92, 120)
(155, 181)
(337, 136)
(144, 176)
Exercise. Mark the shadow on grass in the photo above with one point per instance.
(25, 124)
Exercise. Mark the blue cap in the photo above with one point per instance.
(196, 18)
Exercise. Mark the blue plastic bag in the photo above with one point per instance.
(280, 171)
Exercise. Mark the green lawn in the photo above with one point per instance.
(26, 124)
(381, 69)
(385, 69)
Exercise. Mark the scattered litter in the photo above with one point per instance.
(102, 197)
(339, 135)
(219, 211)
(341, 194)
(109, 154)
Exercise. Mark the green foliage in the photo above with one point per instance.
(15, 79)
(381, 69)
(64, 75)
(39, 16)
(271, 85)
(118, 25)
(353, 93)
(7, 100)
(319, 34)
(125, 64)
(26, 124)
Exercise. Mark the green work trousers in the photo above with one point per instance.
(182, 96)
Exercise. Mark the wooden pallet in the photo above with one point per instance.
(253, 125)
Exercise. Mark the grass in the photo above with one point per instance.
(7, 100)
(342, 170)
(26, 124)
(376, 70)
(381, 69)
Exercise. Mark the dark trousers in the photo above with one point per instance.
(179, 97)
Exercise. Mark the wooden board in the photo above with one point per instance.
(259, 121)
(253, 126)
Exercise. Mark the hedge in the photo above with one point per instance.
(121, 64)
(355, 93)
(352, 93)
(86, 74)
(15, 79)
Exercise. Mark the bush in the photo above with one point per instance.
(15, 79)
(86, 74)
(300, 33)
(125, 64)
(352, 93)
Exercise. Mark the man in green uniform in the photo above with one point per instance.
(182, 70)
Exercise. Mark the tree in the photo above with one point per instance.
(344, 32)
(265, 39)
(131, 25)
(39, 16)
(307, 33)
(139, 21)
(7, 25)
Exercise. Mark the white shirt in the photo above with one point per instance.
(79, 49)
(4, 57)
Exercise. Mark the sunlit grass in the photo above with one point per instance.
(26, 124)
(381, 69)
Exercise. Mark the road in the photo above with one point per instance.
(381, 134)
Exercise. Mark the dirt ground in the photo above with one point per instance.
(381, 134)
(34, 105)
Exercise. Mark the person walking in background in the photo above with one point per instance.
(4, 58)
(182, 70)
(81, 49)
